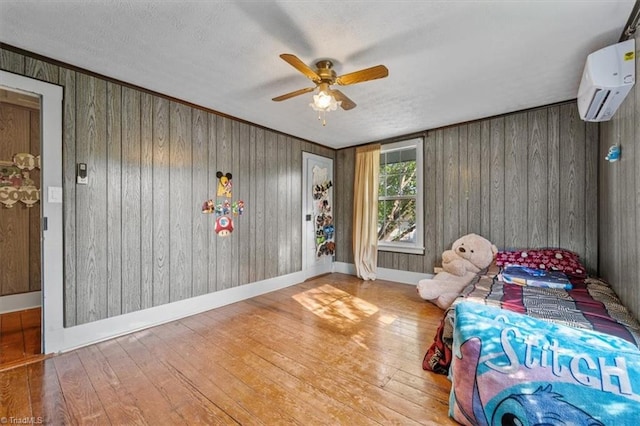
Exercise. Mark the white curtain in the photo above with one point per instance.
(365, 211)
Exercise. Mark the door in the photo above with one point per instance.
(318, 229)
(49, 205)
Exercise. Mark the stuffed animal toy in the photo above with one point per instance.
(468, 255)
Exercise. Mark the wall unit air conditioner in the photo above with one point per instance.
(608, 76)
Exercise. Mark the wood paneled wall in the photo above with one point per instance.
(527, 179)
(19, 225)
(619, 187)
(134, 237)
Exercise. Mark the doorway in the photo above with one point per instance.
(318, 230)
(31, 210)
(20, 233)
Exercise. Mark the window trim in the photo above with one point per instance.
(418, 246)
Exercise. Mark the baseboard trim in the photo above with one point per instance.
(70, 338)
(395, 275)
(20, 302)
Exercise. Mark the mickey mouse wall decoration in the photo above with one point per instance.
(224, 184)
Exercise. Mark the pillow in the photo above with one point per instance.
(509, 368)
(549, 259)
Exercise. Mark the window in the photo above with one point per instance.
(400, 203)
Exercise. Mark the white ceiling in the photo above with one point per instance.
(448, 61)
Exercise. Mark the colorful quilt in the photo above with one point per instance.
(513, 369)
(590, 305)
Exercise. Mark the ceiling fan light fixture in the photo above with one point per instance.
(324, 102)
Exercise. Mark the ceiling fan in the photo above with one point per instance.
(324, 76)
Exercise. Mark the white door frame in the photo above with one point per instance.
(324, 264)
(50, 201)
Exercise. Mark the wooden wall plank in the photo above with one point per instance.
(515, 181)
(451, 174)
(473, 187)
(591, 197)
(295, 173)
(131, 274)
(572, 176)
(283, 216)
(344, 204)
(202, 223)
(91, 220)
(537, 202)
(68, 80)
(250, 203)
(553, 177)
(497, 194)
(41, 70)
(223, 160)
(259, 210)
(485, 178)
(241, 193)
(463, 180)
(271, 204)
(114, 199)
(234, 260)
(161, 201)
(439, 188)
(627, 207)
(430, 196)
(146, 200)
(289, 203)
(181, 204)
(12, 61)
(212, 184)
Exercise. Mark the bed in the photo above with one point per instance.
(526, 355)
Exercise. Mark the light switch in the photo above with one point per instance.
(81, 173)
(55, 194)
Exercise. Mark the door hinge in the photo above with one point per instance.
(45, 223)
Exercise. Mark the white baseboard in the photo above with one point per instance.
(70, 338)
(19, 302)
(395, 275)
(344, 268)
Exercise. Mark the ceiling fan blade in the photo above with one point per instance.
(295, 62)
(345, 102)
(373, 73)
(292, 94)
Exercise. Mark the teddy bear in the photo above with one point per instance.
(469, 255)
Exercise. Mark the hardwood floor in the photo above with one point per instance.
(20, 338)
(332, 350)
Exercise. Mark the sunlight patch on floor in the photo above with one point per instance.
(336, 306)
(387, 319)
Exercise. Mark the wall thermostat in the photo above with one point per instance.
(82, 177)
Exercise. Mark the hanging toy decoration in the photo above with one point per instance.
(224, 226)
(224, 184)
(16, 183)
(208, 207)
